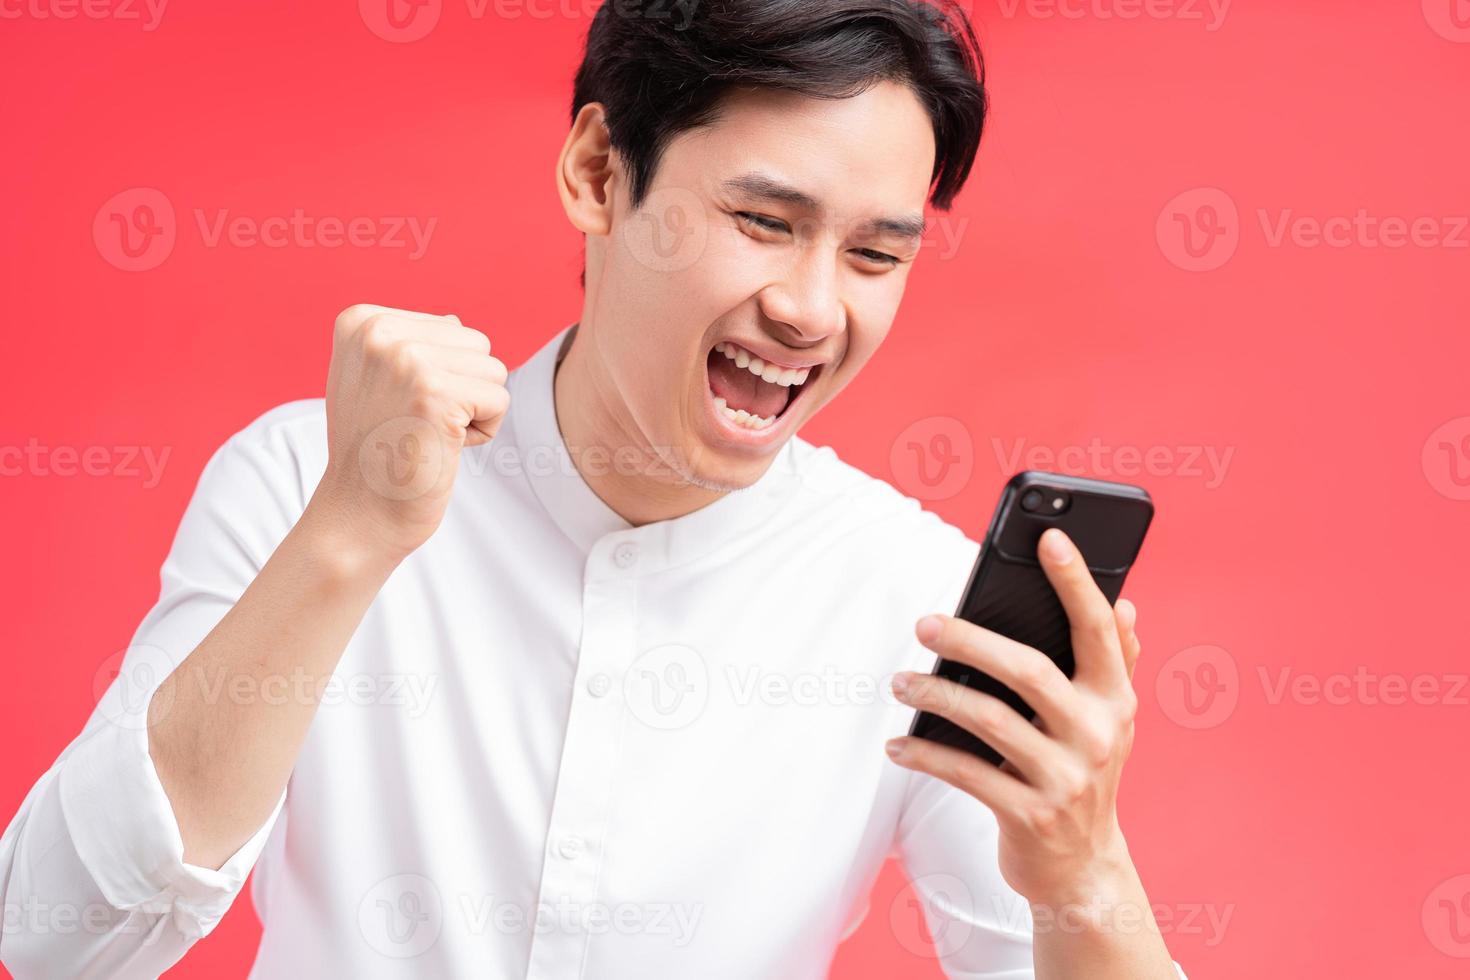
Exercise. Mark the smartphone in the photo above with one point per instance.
(1009, 593)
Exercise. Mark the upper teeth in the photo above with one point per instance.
(785, 377)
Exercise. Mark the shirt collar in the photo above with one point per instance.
(583, 516)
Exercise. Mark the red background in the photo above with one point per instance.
(1330, 834)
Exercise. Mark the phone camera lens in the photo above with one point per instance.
(1046, 501)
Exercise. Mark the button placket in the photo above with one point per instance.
(575, 845)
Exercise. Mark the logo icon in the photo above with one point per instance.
(401, 458)
(939, 901)
(125, 683)
(669, 231)
(1199, 230)
(1446, 917)
(667, 687)
(1446, 459)
(1450, 19)
(401, 916)
(1198, 687)
(933, 458)
(136, 229)
(400, 21)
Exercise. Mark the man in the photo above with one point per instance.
(498, 674)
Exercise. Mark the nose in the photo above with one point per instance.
(807, 298)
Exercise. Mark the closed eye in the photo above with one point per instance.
(874, 256)
(761, 221)
(765, 223)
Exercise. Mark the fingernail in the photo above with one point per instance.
(1056, 546)
(928, 628)
(894, 748)
(900, 683)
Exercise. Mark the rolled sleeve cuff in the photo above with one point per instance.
(126, 835)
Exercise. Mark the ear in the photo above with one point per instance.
(585, 172)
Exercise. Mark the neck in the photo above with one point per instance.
(598, 432)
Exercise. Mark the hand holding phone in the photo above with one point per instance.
(1009, 593)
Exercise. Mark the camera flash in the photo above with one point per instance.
(1056, 503)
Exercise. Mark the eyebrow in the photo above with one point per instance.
(768, 188)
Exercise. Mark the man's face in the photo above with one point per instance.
(781, 235)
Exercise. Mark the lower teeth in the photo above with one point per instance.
(741, 416)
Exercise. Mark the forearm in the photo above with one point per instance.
(1100, 929)
(226, 726)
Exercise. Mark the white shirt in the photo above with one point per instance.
(557, 746)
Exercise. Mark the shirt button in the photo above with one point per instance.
(571, 848)
(625, 555)
(599, 684)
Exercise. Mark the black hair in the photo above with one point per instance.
(660, 69)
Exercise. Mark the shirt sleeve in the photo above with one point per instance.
(91, 867)
(948, 843)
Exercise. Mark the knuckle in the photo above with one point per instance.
(500, 399)
(480, 342)
(986, 714)
(967, 644)
(408, 358)
(1097, 743)
(1099, 625)
(425, 387)
(352, 317)
(1037, 677)
(922, 690)
(1042, 819)
(1100, 752)
(939, 695)
(376, 334)
(1128, 705)
(966, 771)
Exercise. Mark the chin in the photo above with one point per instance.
(714, 470)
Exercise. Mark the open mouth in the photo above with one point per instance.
(752, 393)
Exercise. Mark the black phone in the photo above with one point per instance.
(1009, 593)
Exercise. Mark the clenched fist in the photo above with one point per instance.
(405, 393)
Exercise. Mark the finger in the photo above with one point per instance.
(359, 313)
(999, 790)
(985, 716)
(446, 333)
(482, 406)
(467, 363)
(1095, 643)
(1027, 671)
(1127, 615)
(390, 326)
